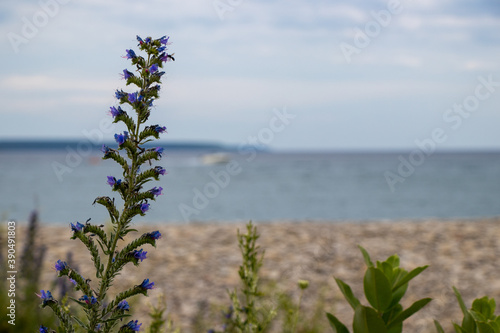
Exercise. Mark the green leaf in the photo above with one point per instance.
(477, 316)
(459, 329)
(460, 300)
(484, 307)
(439, 328)
(366, 256)
(415, 307)
(387, 269)
(397, 275)
(483, 327)
(366, 320)
(79, 322)
(468, 323)
(389, 315)
(410, 276)
(349, 296)
(336, 325)
(398, 294)
(377, 289)
(393, 260)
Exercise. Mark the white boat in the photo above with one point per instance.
(215, 158)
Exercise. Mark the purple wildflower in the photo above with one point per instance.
(146, 284)
(123, 305)
(148, 40)
(164, 40)
(153, 68)
(72, 281)
(144, 207)
(43, 329)
(133, 325)
(105, 149)
(130, 54)
(112, 181)
(46, 296)
(159, 151)
(140, 40)
(126, 74)
(77, 227)
(162, 48)
(113, 111)
(121, 138)
(166, 57)
(140, 255)
(119, 94)
(132, 98)
(86, 299)
(156, 190)
(60, 265)
(155, 235)
(160, 129)
(160, 171)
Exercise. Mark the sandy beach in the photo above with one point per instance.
(194, 264)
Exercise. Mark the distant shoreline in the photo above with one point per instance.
(63, 144)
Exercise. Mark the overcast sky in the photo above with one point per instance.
(291, 74)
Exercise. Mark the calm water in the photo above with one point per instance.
(268, 187)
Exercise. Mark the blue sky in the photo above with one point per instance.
(350, 74)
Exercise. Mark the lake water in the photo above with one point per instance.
(262, 187)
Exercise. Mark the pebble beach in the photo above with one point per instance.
(194, 265)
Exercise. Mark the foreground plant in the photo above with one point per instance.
(385, 284)
(480, 318)
(102, 312)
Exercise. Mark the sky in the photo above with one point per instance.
(291, 75)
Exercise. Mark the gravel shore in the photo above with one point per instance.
(195, 264)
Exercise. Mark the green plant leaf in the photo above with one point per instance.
(336, 325)
(393, 260)
(377, 289)
(460, 300)
(459, 329)
(349, 296)
(387, 269)
(398, 294)
(415, 307)
(495, 325)
(366, 320)
(468, 323)
(79, 322)
(439, 328)
(483, 327)
(409, 276)
(398, 274)
(484, 307)
(396, 329)
(366, 256)
(389, 315)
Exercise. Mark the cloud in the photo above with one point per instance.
(260, 55)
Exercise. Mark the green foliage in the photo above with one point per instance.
(160, 322)
(291, 317)
(249, 313)
(480, 318)
(385, 284)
